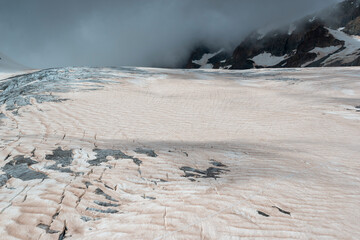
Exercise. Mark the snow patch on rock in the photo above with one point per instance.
(292, 28)
(312, 19)
(321, 53)
(267, 59)
(351, 51)
(203, 62)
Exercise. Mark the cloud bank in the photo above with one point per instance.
(47, 33)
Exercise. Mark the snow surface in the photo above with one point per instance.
(264, 154)
(267, 59)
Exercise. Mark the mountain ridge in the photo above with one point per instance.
(327, 38)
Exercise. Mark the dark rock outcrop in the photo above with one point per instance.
(197, 54)
(353, 27)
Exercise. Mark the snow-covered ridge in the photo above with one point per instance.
(340, 54)
(345, 54)
(321, 53)
(351, 48)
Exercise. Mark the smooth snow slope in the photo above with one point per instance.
(135, 153)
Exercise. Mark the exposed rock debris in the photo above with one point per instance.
(146, 151)
(216, 163)
(98, 191)
(102, 154)
(62, 158)
(211, 172)
(19, 167)
(106, 204)
(109, 210)
(263, 214)
(281, 210)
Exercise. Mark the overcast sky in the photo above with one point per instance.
(49, 33)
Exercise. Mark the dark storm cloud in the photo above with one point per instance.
(46, 33)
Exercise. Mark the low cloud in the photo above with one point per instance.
(43, 33)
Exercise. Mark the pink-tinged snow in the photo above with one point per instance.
(287, 141)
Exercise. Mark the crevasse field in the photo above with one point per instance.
(134, 153)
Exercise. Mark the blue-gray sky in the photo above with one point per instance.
(49, 33)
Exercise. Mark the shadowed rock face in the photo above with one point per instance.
(353, 27)
(296, 44)
(217, 61)
(197, 54)
(341, 14)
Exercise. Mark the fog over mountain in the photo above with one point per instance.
(44, 33)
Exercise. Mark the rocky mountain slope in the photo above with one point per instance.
(328, 38)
